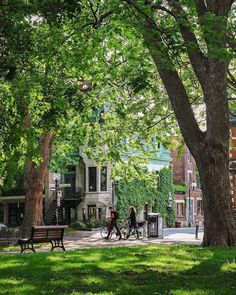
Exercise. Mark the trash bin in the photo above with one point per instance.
(155, 225)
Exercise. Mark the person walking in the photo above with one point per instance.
(132, 218)
(113, 223)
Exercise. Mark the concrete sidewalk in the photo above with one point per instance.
(91, 239)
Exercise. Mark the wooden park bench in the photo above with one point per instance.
(42, 234)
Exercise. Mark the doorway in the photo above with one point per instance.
(92, 212)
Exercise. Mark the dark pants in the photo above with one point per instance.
(133, 227)
(114, 224)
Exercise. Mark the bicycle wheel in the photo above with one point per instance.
(124, 233)
(140, 233)
(114, 234)
(104, 232)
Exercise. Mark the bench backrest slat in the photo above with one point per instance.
(56, 233)
(39, 233)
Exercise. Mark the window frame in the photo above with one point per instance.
(92, 187)
(180, 209)
(199, 208)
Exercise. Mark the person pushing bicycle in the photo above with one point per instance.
(113, 223)
(132, 218)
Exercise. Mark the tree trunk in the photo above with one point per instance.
(213, 160)
(219, 227)
(211, 153)
(34, 183)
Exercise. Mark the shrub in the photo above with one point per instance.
(80, 224)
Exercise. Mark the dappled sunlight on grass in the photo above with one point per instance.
(92, 279)
(11, 281)
(9, 248)
(16, 286)
(195, 292)
(229, 266)
(103, 293)
(9, 264)
(160, 269)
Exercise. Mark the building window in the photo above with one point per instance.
(188, 156)
(99, 213)
(103, 179)
(91, 212)
(69, 177)
(92, 179)
(180, 209)
(199, 207)
(84, 214)
(189, 178)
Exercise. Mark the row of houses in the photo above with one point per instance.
(88, 191)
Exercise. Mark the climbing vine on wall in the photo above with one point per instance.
(153, 190)
(166, 203)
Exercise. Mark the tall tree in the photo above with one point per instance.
(199, 34)
(48, 86)
(192, 44)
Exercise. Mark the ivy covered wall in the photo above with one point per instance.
(154, 190)
(165, 202)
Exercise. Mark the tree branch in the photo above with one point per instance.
(93, 11)
(197, 59)
(174, 87)
(99, 21)
(159, 7)
(159, 121)
(201, 7)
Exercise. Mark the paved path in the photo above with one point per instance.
(90, 239)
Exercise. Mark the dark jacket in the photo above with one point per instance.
(132, 218)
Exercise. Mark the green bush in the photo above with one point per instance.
(93, 223)
(100, 223)
(78, 224)
(90, 223)
(181, 187)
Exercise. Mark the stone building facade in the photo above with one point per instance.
(88, 193)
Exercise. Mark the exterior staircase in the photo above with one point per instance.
(50, 214)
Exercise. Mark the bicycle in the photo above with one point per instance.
(138, 231)
(113, 234)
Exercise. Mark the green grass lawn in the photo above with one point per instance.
(163, 269)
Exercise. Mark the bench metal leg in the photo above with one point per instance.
(57, 244)
(26, 246)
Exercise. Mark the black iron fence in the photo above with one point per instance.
(10, 236)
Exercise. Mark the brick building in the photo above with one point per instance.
(188, 194)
